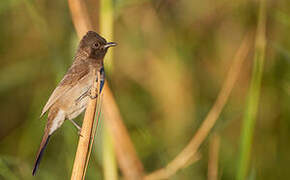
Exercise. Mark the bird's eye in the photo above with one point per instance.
(96, 45)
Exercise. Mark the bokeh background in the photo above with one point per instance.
(169, 66)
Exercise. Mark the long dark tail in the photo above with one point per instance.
(43, 144)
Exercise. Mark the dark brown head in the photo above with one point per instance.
(94, 45)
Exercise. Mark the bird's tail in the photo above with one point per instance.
(43, 144)
(55, 119)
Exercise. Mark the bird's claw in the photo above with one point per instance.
(79, 133)
(93, 97)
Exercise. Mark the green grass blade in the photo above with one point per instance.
(253, 96)
(106, 29)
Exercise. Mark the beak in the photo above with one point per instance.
(110, 44)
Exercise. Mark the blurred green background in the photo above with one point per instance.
(169, 66)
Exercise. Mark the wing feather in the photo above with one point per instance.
(77, 71)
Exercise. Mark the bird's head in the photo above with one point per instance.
(95, 45)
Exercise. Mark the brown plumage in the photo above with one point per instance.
(70, 97)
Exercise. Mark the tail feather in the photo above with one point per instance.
(43, 144)
(55, 119)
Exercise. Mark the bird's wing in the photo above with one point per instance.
(77, 71)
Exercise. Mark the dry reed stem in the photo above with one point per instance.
(85, 136)
(190, 150)
(128, 160)
(214, 145)
(80, 17)
(95, 125)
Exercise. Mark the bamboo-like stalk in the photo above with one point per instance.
(110, 169)
(189, 152)
(109, 159)
(213, 156)
(80, 17)
(95, 125)
(85, 136)
(128, 160)
(253, 96)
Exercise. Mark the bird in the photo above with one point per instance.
(70, 98)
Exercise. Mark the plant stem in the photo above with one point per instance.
(85, 136)
(253, 96)
(213, 157)
(106, 29)
(109, 159)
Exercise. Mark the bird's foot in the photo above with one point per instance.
(93, 97)
(77, 126)
(79, 133)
